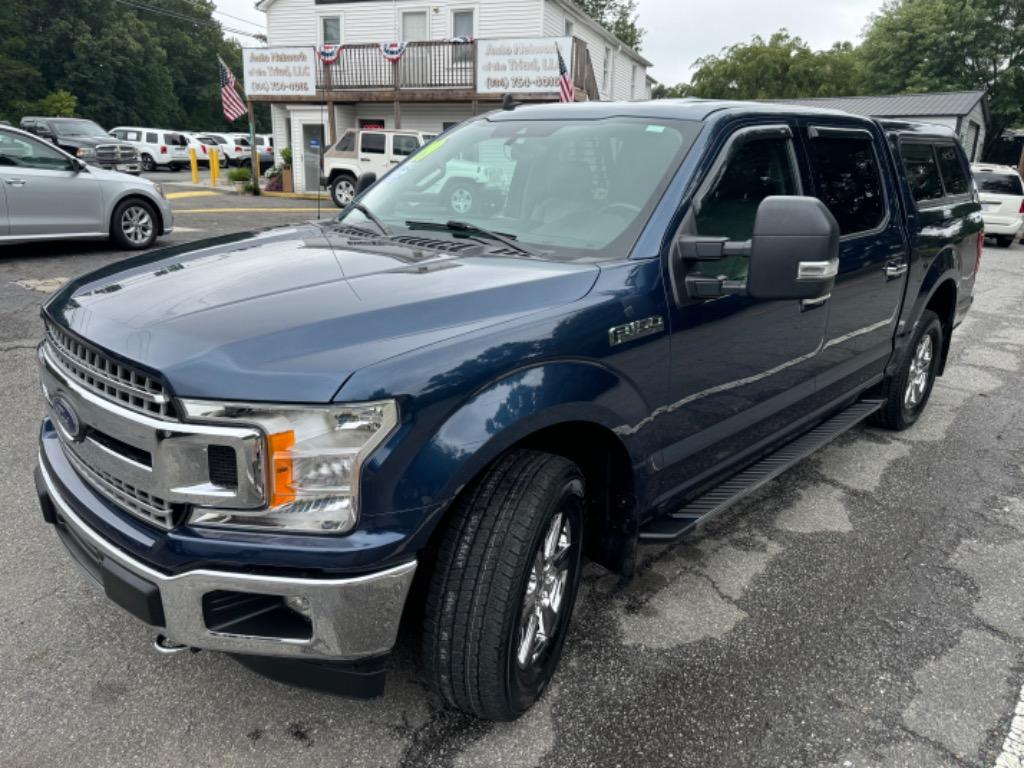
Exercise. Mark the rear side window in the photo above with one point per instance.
(999, 183)
(922, 172)
(954, 177)
(847, 180)
(373, 143)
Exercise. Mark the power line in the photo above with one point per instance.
(190, 19)
(199, 4)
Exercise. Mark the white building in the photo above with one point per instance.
(435, 84)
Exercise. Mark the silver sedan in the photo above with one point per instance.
(46, 194)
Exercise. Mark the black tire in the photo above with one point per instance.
(461, 197)
(900, 410)
(478, 598)
(343, 189)
(129, 228)
(1004, 241)
(147, 164)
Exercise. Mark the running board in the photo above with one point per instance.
(704, 508)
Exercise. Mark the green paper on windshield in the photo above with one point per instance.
(430, 149)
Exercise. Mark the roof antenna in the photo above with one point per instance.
(508, 103)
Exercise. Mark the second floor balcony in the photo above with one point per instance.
(433, 70)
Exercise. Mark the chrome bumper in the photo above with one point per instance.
(351, 618)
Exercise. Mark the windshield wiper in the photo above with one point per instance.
(372, 217)
(471, 230)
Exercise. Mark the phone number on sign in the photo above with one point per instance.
(523, 83)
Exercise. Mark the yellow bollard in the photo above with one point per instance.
(195, 164)
(214, 167)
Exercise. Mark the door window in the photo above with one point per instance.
(954, 177)
(922, 172)
(132, 136)
(405, 144)
(20, 152)
(847, 180)
(414, 26)
(373, 143)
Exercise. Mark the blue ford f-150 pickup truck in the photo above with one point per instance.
(282, 444)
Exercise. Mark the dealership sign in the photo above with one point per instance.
(521, 65)
(279, 71)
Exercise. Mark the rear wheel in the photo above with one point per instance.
(907, 392)
(343, 190)
(134, 225)
(1004, 241)
(504, 585)
(460, 197)
(148, 164)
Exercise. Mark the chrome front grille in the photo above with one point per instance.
(116, 153)
(138, 502)
(99, 372)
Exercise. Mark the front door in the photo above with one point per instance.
(402, 145)
(373, 152)
(45, 193)
(848, 175)
(742, 370)
(312, 151)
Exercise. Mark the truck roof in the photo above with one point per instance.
(701, 110)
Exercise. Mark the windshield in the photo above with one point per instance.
(572, 189)
(79, 128)
(998, 183)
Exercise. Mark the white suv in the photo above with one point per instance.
(157, 147)
(1002, 201)
(358, 152)
(232, 147)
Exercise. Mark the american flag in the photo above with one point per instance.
(566, 90)
(232, 103)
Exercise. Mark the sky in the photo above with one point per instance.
(681, 31)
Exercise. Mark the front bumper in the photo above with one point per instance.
(349, 619)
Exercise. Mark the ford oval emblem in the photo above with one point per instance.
(67, 418)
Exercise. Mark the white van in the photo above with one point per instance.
(1002, 201)
(157, 147)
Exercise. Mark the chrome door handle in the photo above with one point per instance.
(16, 182)
(892, 271)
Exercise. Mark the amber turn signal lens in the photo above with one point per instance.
(281, 444)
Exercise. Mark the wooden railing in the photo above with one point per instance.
(433, 64)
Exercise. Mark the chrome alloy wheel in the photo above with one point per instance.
(344, 192)
(137, 224)
(545, 592)
(920, 371)
(461, 200)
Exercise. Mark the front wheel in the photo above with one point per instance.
(343, 190)
(148, 165)
(907, 392)
(134, 225)
(504, 585)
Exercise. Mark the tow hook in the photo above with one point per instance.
(162, 645)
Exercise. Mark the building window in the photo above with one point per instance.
(606, 70)
(414, 26)
(463, 28)
(330, 30)
(569, 27)
(632, 84)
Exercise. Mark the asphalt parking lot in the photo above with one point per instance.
(865, 609)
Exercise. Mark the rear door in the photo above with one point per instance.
(849, 173)
(4, 226)
(403, 145)
(373, 152)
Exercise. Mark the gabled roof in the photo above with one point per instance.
(917, 105)
(600, 29)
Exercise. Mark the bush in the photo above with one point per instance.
(240, 174)
(286, 155)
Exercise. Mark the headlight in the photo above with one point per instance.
(86, 152)
(313, 457)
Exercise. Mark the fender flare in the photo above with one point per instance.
(944, 268)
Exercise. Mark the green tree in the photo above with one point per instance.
(781, 67)
(946, 45)
(617, 16)
(662, 91)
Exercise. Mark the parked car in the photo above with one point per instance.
(266, 151)
(202, 148)
(1002, 201)
(671, 303)
(85, 140)
(157, 148)
(365, 151)
(46, 194)
(231, 149)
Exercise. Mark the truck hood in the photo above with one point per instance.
(289, 314)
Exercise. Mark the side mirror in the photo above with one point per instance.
(794, 251)
(365, 181)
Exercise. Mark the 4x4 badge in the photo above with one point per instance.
(637, 329)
